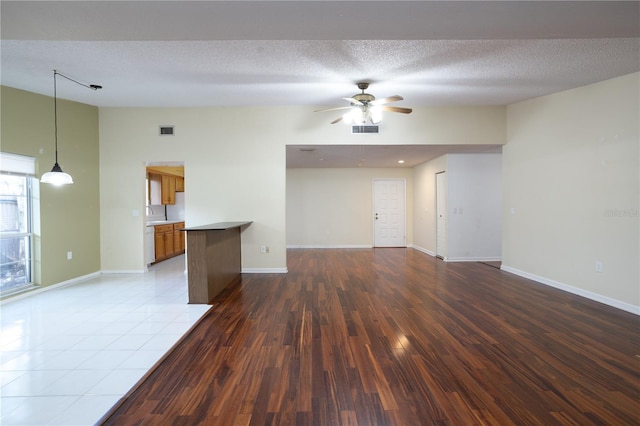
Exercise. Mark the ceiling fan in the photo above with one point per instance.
(365, 107)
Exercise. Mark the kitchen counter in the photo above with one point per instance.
(213, 258)
(220, 226)
(163, 222)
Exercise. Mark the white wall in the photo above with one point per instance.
(334, 207)
(474, 206)
(176, 211)
(571, 176)
(424, 201)
(474, 185)
(235, 161)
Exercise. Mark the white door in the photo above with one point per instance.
(389, 213)
(441, 215)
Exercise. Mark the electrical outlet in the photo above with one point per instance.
(69, 255)
(263, 249)
(598, 266)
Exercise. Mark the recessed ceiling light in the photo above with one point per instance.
(400, 161)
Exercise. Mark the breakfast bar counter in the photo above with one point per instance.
(213, 258)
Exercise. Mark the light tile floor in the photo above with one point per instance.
(68, 355)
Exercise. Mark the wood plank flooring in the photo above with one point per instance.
(395, 337)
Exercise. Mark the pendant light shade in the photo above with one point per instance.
(56, 176)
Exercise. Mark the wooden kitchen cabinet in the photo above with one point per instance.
(163, 188)
(168, 189)
(179, 184)
(178, 238)
(164, 241)
(160, 251)
(169, 240)
(168, 244)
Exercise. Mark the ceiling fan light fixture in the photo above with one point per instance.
(357, 116)
(365, 107)
(375, 114)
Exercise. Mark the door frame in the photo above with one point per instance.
(373, 208)
(438, 176)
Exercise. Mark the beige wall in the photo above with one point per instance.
(69, 215)
(235, 165)
(571, 177)
(232, 173)
(334, 207)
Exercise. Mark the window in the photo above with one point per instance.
(16, 229)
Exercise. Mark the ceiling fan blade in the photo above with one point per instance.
(337, 120)
(396, 109)
(353, 101)
(390, 99)
(333, 109)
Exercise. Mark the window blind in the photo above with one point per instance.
(17, 164)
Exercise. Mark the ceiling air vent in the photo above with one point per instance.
(364, 129)
(167, 130)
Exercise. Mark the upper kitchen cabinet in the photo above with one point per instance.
(168, 190)
(179, 184)
(164, 182)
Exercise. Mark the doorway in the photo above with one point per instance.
(164, 210)
(441, 215)
(389, 216)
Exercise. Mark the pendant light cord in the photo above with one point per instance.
(88, 86)
(55, 101)
(56, 176)
(55, 111)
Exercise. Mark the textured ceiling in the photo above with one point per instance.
(311, 53)
(209, 53)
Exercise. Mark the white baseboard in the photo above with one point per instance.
(575, 290)
(264, 270)
(125, 271)
(339, 246)
(457, 259)
(473, 259)
(39, 290)
(423, 250)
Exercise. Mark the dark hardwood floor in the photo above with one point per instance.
(395, 337)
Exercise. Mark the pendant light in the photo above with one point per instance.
(56, 176)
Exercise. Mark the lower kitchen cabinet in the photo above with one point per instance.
(178, 237)
(164, 241)
(169, 241)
